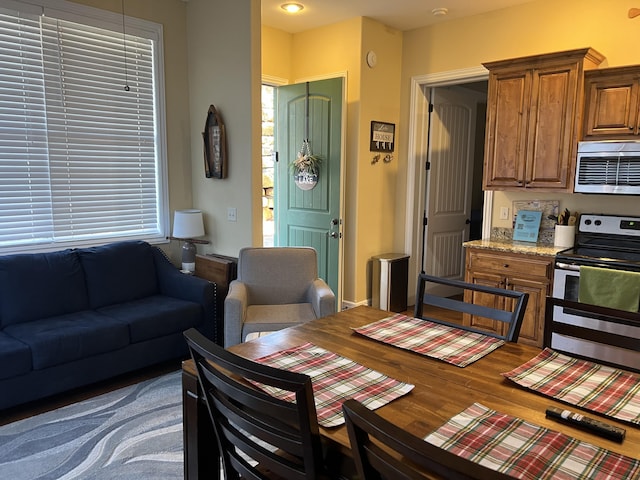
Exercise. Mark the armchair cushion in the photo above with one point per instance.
(269, 318)
(277, 275)
(276, 288)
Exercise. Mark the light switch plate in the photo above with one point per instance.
(232, 214)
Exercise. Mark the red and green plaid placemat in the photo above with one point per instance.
(335, 379)
(453, 345)
(524, 450)
(588, 385)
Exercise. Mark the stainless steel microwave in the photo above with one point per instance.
(611, 166)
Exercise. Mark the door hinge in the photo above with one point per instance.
(427, 166)
(274, 156)
(424, 221)
(431, 108)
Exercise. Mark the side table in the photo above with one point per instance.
(220, 270)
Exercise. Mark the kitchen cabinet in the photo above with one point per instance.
(534, 112)
(530, 274)
(612, 104)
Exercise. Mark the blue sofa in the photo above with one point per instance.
(74, 317)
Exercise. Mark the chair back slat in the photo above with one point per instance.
(258, 436)
(505, 306)
(383, 451)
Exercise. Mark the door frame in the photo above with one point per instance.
(277, 82)
(417, 155)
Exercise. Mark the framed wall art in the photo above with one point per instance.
(215, 145)
(382, 136)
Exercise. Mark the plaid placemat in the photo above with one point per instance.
(335, 379)
(453, 345)
(588, 385)
(524, 450)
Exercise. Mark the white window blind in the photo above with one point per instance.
(79, 160)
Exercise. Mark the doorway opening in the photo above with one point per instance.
(447, 255)
(268, 163)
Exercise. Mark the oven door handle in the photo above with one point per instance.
(567, 266)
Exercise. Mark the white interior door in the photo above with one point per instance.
(449, 181)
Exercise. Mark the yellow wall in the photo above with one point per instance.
(372, 94)
(224, 70)
(276, 54)
(537, 27)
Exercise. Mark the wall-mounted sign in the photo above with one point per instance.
(382, 136)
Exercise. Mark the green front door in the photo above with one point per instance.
(308, 213)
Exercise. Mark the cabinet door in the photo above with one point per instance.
(551, 141)
(478, 298)
(611, 106)
(506, 135)
(532, 329)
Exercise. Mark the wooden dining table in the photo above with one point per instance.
(441, 390)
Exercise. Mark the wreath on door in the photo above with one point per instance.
(306, 166)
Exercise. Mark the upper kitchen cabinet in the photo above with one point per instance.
(611, 103)
(534, 116)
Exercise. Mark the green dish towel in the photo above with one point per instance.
(609, 288)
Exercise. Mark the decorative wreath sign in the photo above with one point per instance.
(306, 168)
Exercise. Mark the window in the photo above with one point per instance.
(82, 156)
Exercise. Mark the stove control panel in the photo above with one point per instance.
(609, 224)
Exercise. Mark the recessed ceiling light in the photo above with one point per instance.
(439, 11)
(292, 7)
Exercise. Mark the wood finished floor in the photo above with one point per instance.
(77, 395)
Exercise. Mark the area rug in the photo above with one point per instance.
(131, 433)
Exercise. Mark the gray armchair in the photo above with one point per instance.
(277, 287)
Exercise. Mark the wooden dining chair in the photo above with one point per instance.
(259, 436)
(383, 451)
(483, 305)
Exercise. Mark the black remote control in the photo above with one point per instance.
(592, 425)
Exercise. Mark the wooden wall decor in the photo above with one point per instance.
(215, 145)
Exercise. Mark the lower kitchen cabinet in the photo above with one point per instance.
(530, 274)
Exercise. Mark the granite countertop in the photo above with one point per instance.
(515, 247)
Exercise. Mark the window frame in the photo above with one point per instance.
(94, 17)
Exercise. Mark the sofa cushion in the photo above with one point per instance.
(71, 337)
(155, 316)
(39, 285)
(15, 357)
(119, 272)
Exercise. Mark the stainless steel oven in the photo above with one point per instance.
(604, 241)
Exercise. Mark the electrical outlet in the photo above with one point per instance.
(504, 213)
(232, 214)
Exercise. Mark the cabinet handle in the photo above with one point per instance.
(630, 127)
(506, 265)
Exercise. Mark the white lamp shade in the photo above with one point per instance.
(188, 224)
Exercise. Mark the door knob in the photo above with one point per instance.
(333, 234)
(334, 222)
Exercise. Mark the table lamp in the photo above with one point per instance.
(186, 225)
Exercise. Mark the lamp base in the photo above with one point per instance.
(188, 257)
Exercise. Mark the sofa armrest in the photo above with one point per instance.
(174, 283)
(321, 298)
(235, 311)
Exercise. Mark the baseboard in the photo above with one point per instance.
(347, 305)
